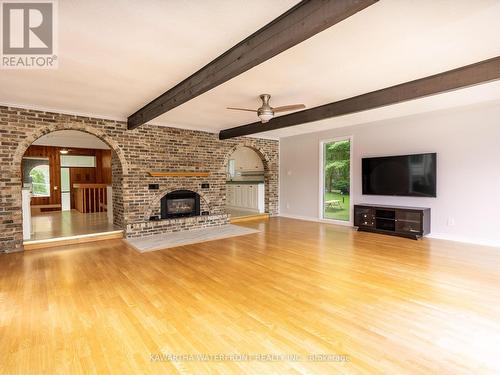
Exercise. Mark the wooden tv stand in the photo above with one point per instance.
(410, 222)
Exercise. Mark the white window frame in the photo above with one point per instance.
(48, 183)
(322, 143)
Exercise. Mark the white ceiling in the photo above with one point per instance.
(116, 56)
(71, 138)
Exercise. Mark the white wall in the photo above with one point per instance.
(246, 159)
(467, 141)
(71, 138)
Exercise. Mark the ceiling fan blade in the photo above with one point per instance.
(291, 107)
(242, 109)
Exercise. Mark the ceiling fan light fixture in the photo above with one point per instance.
(265, 117)
(266, 112)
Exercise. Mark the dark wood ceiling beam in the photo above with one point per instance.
(301, 22)
(470, 75)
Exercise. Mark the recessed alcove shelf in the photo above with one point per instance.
(179, 174)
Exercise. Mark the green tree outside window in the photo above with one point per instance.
(40, 178)
(337, 188)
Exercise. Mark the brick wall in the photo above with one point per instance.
(148, 148)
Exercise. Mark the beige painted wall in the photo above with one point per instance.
(467, 140)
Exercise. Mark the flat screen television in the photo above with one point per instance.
(404, 175)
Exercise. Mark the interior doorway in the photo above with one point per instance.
(245, 183)
(67, 187)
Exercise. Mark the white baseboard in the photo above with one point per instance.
(317, 220)
(298, 217)
(474, 241)
(438, 236)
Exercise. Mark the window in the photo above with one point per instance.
(40, 180)
(36, 174)
(336, 179)
(80, 161)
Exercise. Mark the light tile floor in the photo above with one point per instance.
(68, 223)
(189, 237)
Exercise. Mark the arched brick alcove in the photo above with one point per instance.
(270, 173)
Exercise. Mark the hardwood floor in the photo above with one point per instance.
(391, 305)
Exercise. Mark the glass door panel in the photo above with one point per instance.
(408, 221)
(336, 180)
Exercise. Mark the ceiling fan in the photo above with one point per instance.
(266, 112)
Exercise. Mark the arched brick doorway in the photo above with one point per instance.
(119, 167)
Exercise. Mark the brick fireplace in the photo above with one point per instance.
(135, 154)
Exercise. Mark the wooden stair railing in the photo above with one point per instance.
(91, 198)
